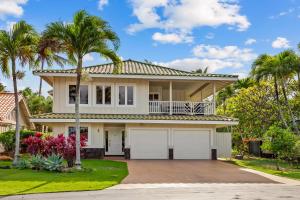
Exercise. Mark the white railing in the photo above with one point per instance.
(181, 107)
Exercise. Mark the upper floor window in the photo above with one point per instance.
(126, 95)
(103, 95)
(83, 92)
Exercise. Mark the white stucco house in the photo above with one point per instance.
(145, 111)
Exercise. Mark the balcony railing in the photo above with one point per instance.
(181, 107)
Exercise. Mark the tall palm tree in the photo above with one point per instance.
(201, 70)
(86, 34)
(17, 45)
(47, 52)
(243, 83)
(266, 67)
(287, 60)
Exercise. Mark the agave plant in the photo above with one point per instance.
(54, 163)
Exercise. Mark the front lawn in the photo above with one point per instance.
(98, 174)
(269, 166)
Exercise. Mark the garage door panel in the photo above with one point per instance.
(191, 144)
(149, 143)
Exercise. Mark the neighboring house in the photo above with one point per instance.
(7, 112)
(145, 111)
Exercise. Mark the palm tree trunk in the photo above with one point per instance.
(283, 86)
(16, 94)
(77, 114)
(298, 75)
(41, 80)
(278, 103)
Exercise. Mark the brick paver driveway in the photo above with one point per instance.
(188, 171)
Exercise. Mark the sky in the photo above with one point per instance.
(223, 35)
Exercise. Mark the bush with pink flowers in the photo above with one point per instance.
(58, 145)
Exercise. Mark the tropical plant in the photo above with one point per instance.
(86, 34)
(37, 162)
(23, 164)
(279, 141)
(54, 163)
(36, 103)
(8, 138)
(2, 87)
(47, 52)
(35, 144)
(17, 45)
(201, 70)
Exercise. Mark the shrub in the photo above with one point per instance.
(60, 145)
(7, 139)
(23, 164)
(54, 163)
(37, 162)
(279, 141)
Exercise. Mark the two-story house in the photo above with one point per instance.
(145, 111)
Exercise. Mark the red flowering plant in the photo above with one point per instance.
(59, 145)
(35, 144)
(69, 152)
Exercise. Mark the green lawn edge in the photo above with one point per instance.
(267, 166)
(99, 174)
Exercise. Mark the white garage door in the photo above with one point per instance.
(149, 143)
(191, 144)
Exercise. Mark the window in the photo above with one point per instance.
(84, 131)
(126, 95)
(83, 93)
(103, 95)
(153, 97)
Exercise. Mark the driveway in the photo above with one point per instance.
(188, 171)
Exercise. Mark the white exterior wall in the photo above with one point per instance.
(223, 144)
(95, 132)
(60, 96)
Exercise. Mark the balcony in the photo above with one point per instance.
(181, 107)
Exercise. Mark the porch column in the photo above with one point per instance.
(214, 98)
(171, 97)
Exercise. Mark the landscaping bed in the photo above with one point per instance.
(269, 166)
(96, 175)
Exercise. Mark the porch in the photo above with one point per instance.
(183, 97)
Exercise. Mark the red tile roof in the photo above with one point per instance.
(7, 104)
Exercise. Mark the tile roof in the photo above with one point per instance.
(135, 117)
(131, 67)
(7, 104)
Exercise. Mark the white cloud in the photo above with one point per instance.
(171, 38)
(185, 15)
(283, 13)
(102, 3)
(280, 43)
(88, 58)
(11, 7)
(250, 41)
(215, 58)
(241, 74)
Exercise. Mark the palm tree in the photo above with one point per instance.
(47, 52)
(2, 87)
(86, 34)
(18, 44)
(201, 70)
(243, 83)
(266, 67)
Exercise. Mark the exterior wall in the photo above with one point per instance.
(60, 93)
(95, 132)
(4, 128)
(223, 144)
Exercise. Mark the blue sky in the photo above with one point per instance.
(225, 35)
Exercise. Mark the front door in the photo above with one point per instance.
(114, 141)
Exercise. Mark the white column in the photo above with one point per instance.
(171, 97)
(214, 98)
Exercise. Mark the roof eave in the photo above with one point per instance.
(203, 122)
(150, 77)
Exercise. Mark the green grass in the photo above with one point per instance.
(99, 174)
(269, 166)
